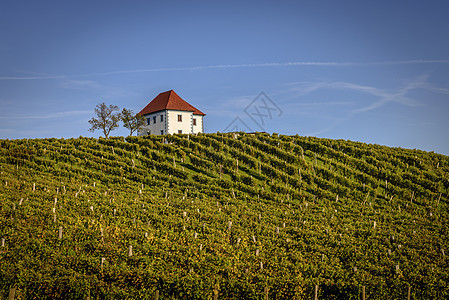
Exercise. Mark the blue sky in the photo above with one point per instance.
(370, 71)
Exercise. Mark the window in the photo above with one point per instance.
(162, 132)
(148, 121)
(179, 118)
(162, 118)
(154, 120)
(179, 131)
(194, 122)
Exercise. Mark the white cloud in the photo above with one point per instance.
(29, 77)
(23, 133)
(232, 66)
(54, 115)
(93, 86)
(381, 97)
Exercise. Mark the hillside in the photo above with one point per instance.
(222, 214)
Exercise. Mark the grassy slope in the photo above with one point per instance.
(298, 212)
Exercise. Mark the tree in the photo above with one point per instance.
(107, 120)
(132, 121)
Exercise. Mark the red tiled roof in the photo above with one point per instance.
(169, 100)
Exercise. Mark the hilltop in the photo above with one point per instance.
(228, 214)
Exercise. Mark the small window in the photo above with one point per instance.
(179, 131)
(148, 121)
(179, 118)
(154, 120)
(162, 118)
(194, 122)
(162, 132)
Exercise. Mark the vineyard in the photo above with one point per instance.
(224, 216)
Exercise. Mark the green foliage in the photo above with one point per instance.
(131, 120)
(222, 213)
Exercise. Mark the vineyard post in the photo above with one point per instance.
(12, 293)
(316, 292)
(60, 232)
(266, 292)
(156, 295)
(408, 292)
(363, 293)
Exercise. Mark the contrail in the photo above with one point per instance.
(234, 66)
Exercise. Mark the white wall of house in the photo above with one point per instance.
(199, 124)
(185, 125)
(170, 123)
(154, 124)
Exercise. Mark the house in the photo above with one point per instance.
(168, 114)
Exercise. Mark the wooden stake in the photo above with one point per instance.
(408, 292)
(363, 292)
(130, 250)
(156, 295)
(60, 232)
(12, 293)
(316, 292)
(265, 290)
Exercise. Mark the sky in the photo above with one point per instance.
(369, 71)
